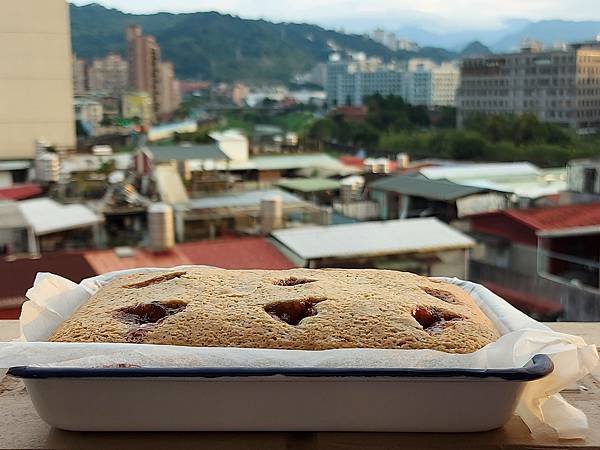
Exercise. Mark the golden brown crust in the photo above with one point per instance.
(292, 309)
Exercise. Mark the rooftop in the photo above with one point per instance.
(392, 237)
(231, 253)
(309, 184)
(241, 199)
(558, 217)
(553, 219)
(46, 216)
(479, 171)
(288, 162)
(421, 187)
(20, 191)
(187, 152)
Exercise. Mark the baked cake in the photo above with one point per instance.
(300, 309)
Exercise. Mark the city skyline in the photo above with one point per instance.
(360, 16)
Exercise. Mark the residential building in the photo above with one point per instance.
(419, 82)
(431, 84)
(108, 75)
(544, 260)
(88, 111)
(138, 105)
(80, 76)
(405, 196)
(170, 97)
(239, 92)
(144, 62)
(378, 35)
(558, 85)
(426, 246)
(36, 79)
(349, 81)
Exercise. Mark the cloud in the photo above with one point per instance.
(433, 14)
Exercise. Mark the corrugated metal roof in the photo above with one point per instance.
(479, 171)
(241, 199)
(187, 152)
(309, 184)
(288, 162)
(48, 216)
(422, 187)
(392, 237)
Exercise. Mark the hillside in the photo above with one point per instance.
(214, 46)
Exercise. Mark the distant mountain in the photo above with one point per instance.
(550, 32)
(456, 40)
(220, 47)
(475, 48)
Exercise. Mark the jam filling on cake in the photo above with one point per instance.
(292, 281)
(292, 312)
(145, 316)
(445, 296)
(434, 320)
(155, 280)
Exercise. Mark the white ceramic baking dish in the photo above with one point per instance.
(225, 399)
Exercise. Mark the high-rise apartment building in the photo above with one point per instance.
(560, 86)
(143, 57)
(170, 98)
(80, 81)
(431, 84)
(108, 75)
(36, 77)
(419, 82)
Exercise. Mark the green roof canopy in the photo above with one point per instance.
(422, 187)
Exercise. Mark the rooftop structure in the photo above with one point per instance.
(47, 216)
(413, 239)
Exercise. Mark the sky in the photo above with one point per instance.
(363, 15)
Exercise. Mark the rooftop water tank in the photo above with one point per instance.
(161, 227)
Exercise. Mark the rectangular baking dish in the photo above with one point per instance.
(284, 399)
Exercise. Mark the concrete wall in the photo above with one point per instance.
(453, 264)
(36, 91)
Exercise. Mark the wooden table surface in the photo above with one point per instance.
(21, 428)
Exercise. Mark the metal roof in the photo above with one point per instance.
(422, 187)
(309, 184)
(479, 171)
(187, 152)
(288, 162)
(241, 199)
(391, 237)
(48, 216)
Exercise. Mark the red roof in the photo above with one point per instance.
(237, 253)
(20, 192)
(228, 253)
(350, 160)
(558, 217)
(525, 301)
